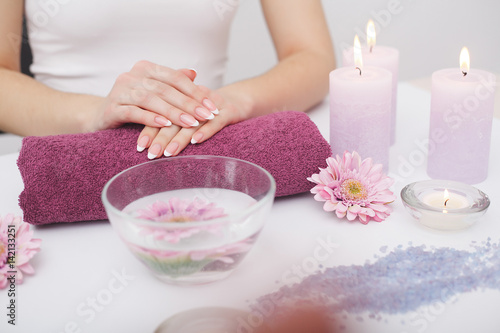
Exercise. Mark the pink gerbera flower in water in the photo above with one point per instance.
(354, 188)
(179, 211)
(25, 248)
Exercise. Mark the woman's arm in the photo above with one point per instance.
(299, 80)
(149, 94)
(26, 106)
(305, 53)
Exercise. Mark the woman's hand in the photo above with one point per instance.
(170, 141)
(155, 96)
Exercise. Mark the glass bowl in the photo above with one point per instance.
(216, 320)
(444, 204)
(190, 219)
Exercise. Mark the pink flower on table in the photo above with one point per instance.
(25, 248)
(178, 211)
(354, 188)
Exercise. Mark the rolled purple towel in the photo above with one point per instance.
(64, 175)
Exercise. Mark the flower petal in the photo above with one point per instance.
(355, 162)
(351, 216)
(355, 209)
(27, 269)
(363, 218)
(330, 206)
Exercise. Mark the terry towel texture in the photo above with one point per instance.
(64, 175)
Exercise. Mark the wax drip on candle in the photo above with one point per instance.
(358, 58)
(464, 61)
(371, 35)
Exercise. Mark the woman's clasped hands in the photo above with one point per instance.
(174, 109)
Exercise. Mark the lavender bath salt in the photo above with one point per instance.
(398, 282)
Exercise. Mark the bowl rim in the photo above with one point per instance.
(269, 196)
(449, 184)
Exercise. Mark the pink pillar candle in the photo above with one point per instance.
(385, 57)
(460, 126)
(360, 112)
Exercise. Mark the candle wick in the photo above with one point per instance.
(464, 73)
(371, 49)
(359, 70)
(446, 202)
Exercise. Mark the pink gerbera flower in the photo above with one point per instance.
(25, 248)
(178, 211)
(354, 188)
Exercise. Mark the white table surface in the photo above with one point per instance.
(78, 261)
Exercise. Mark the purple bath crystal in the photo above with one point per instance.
(399, 282)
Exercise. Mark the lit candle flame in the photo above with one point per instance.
(464, 61)
(446, 197)
(371, 35)
(358, 58)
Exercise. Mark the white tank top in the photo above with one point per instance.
(83, 45)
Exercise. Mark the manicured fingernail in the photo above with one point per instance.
(204, 113)
(143, 142)
(154, 151)
(189, 120)
(194, 70)
(171, 149)
(210, 105)
(196, 138)
(163, 122)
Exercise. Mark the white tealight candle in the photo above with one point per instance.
(445, 200)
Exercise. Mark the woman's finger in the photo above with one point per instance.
(179, 142)
(177, 99)
(150, 101)
(175, 78)
(210, 128)
(133, 114)
(146, 137)
(191, 73)
(160, 141)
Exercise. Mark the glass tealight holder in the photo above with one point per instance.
(444, 204)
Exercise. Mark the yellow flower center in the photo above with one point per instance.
(2, 248)
(180, 219)
(353, 190)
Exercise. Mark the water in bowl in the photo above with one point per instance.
(183, 253)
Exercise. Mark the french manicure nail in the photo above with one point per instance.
(143, 142)
(210, 105)
(196, 138)
(189, 120)
(154, 151)
(163, 122)
(204, 113)
(171, 149)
